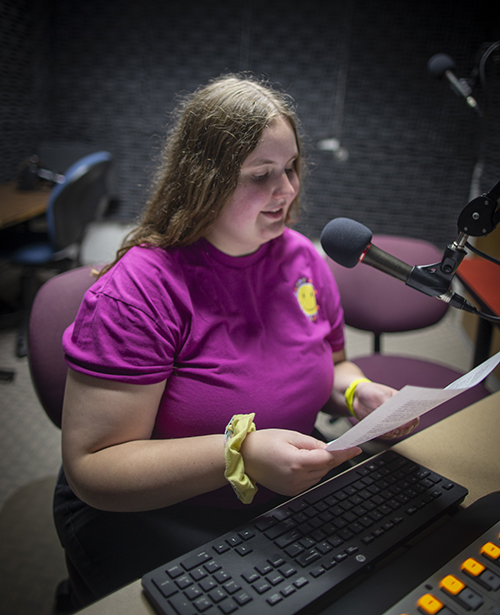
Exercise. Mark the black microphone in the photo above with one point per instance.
(442, 65)
(348, 243)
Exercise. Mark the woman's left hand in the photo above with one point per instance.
(370, 395)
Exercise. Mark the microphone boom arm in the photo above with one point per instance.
(432, 280)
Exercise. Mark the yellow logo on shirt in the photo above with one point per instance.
(306, 296)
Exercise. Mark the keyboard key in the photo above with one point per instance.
(261, 586)
(274, 599)
(288, 538)
(183, 582)
(243, 550)
(196, 560)
(166, 586)
(287, 570)
(182, 605)
(308, 557)
(217, 595)
(207, 584)
(202, 604)
(221, 576)
(221, 547)
(275, 578)
(233, 541)
(242, 598)
(336, 541)
(228, 607)
(276, 560)
(264, 568)
(231, 587)
(251, 576)
(282, 513)
(193, 592)
(324, 547)
(294, 550)
(246, 534)
(300, 582)
(212, 567)
(198, 573)
(174, 571)
(263, 523)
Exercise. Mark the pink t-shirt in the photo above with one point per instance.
(230, 335)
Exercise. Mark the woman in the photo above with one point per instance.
(213, 308)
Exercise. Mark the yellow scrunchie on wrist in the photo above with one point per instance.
(236, 432)
(349, 394)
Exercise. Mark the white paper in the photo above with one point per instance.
(407, 404)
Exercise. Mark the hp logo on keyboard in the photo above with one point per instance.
(360, 558)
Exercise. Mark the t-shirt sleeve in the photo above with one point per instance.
(126, 330)
(113, 340)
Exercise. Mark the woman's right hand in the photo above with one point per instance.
(289, 462)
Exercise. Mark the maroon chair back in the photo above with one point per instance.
(54, 309)
(393, 306)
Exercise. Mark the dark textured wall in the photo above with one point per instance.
(106, 74)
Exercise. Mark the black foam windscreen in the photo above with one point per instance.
(344, 240)
(439, 64)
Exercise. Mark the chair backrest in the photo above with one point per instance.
(76, 201)
(374, 301)
(55, 307)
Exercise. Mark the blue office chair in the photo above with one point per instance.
(72, 205)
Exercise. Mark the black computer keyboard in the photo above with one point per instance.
(295, 556)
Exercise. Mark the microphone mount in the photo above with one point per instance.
(481, 215)
(478, 218)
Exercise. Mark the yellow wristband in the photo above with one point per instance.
(349, 394)
(236, 432)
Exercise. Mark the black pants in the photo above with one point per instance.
(110, 550)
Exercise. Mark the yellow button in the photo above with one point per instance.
(451, 584)
(491, 550)
(429, 604)
(472, 567)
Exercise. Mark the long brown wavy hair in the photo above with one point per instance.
(216, 129)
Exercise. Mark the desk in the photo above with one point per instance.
(463, 447)
(17, 206)
(481, 279)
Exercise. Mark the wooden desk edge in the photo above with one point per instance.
(17, 206)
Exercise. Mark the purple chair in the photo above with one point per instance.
(376, 302)
(54, 308)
